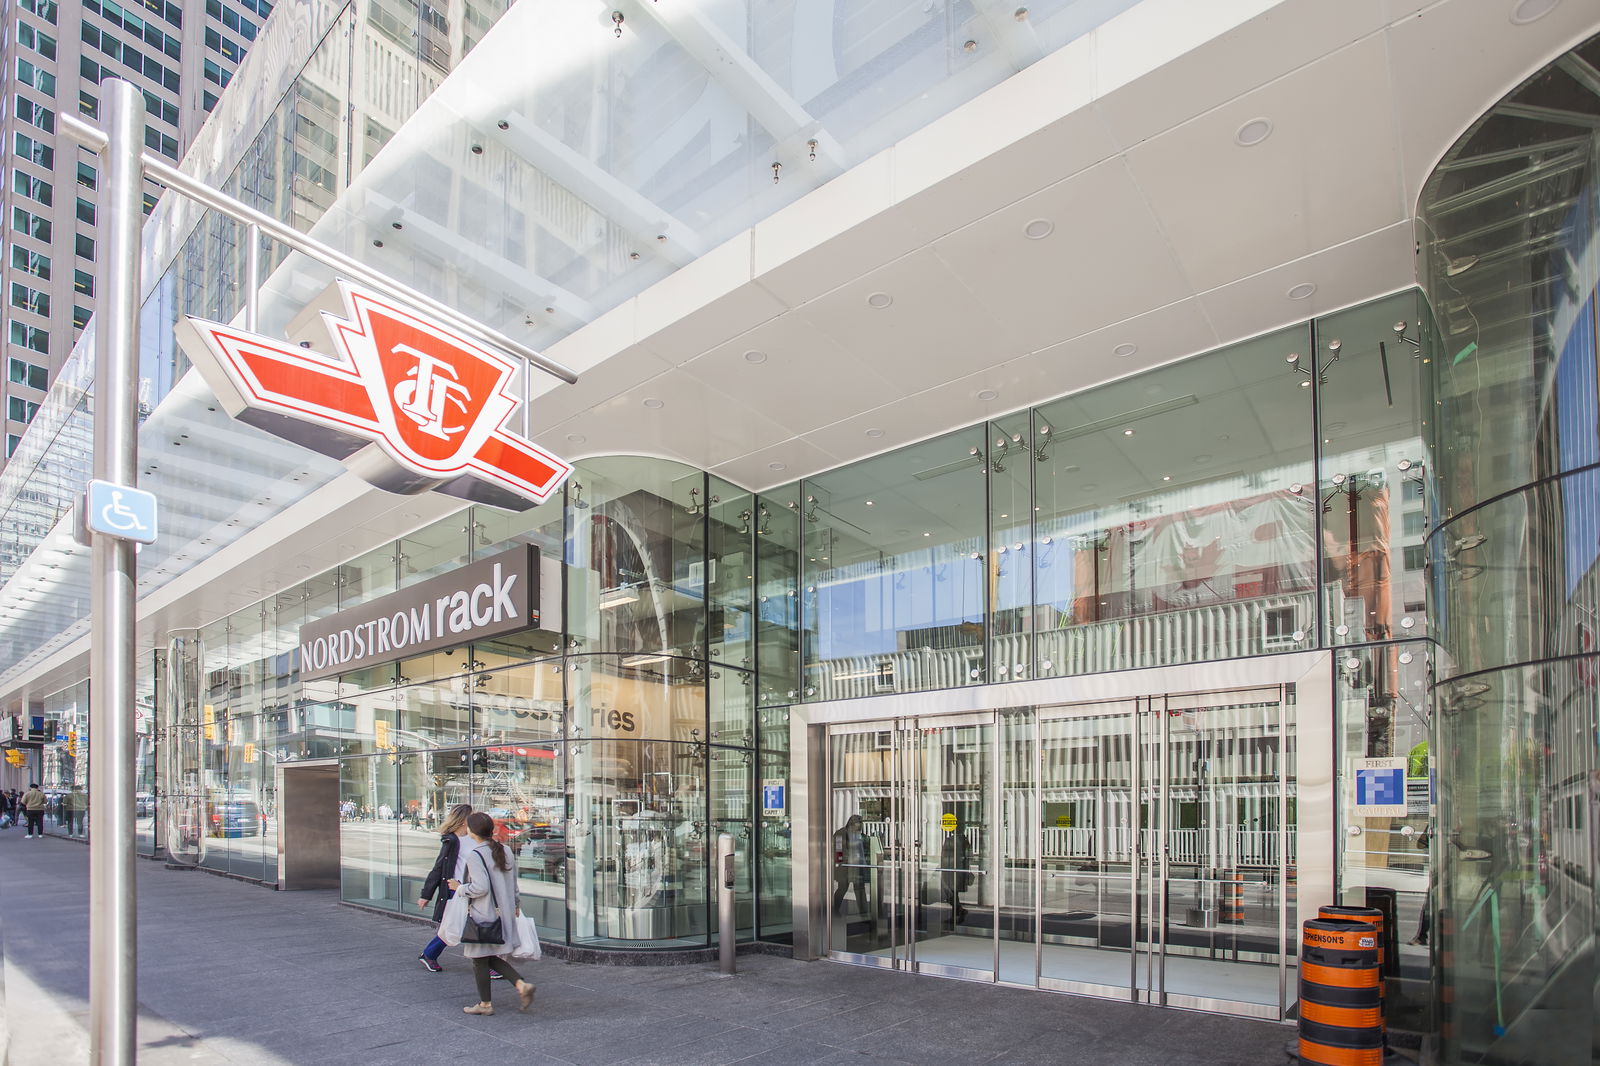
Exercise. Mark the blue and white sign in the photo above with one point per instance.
(772, 797)
(1380, 788)
(119, 511)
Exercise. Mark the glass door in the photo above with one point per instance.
(1165, 841)
(913, 848)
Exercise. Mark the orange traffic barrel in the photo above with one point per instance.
(1341, 997)
(1369, 915)
(1233, 898)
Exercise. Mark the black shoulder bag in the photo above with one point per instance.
(476, 932)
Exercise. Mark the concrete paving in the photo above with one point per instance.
(231, 973)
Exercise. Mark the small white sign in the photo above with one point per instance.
(1380, 788)
(121, 512)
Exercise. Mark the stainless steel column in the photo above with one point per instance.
(727, 931)
(112, 960)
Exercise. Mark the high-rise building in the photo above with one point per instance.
(56, 53)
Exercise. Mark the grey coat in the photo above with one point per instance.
(477, 861)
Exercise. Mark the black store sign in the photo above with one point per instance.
(481, 600)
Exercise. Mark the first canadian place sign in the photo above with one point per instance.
(480, 600)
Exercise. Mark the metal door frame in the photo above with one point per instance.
(1310, 673)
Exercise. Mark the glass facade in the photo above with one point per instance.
(682, 617)
(1510, 268)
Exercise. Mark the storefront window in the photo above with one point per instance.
(893, 571)
(1176, 514)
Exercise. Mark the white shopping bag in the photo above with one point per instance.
(527, 940)
(454, 920)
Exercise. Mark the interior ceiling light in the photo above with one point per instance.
(1253, 132)
(777, 466)
(1122, 351)
(576, 438)
(1127, 433)
(1038, 229)
(653, 403)
(988, 394)
(874, 432)
(754, 356)
(879, 300)
(1526, 11)
(1301, 291)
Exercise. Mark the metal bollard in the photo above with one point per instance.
(726, 936)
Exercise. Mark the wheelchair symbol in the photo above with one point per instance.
(119, 517)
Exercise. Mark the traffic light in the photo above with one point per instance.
(72, 744)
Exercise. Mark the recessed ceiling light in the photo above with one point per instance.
(880, 300)
(988, 394)
(874, 432)
(777, 466)
(576, 438)
(1301, 291)
(653, 403)
(1526, 11)
(754, 356)
(1166, 477)
(1127, 433)
(869, 503)
(926, 533)
(1253, 132)
(1123, 350)
(1038, 229)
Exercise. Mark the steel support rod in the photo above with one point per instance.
(252, 277)
(162, 172)
(113, 976)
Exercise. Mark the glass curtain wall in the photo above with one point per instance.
(1509, 223)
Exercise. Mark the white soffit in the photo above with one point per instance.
(1167, 234)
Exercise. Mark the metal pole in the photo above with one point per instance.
(726, 932)
(113, 978)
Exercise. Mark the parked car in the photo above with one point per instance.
(236, 816)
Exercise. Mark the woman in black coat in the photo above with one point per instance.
(444, 868)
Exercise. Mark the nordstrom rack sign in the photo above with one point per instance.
(480, 600)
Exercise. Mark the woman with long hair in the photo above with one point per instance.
(444, 868)
(491, 886)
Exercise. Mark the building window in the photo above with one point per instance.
(35, 151)
(45, 9)
(34, 339)
(31, 224)
(80, 316)
(33, 188)
(83, 281)
(85, 211)
(1414, 523)
(150, 200)
(85, 248)
(12, 440)
(1416, 556)
(208, 100)
(34, 77)
(30, 299)
(29, 262)
(20, 410)
(89, 70)
(42, 43)
(36, 114)
(87, 177)
(88, 104)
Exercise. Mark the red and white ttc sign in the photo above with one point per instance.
(408, 404)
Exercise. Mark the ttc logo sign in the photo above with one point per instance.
(408, 405)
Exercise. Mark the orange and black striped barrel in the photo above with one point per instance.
(1341, 994)
(1370, 915)
(1233, 898)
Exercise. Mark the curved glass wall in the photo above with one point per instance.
(1509, 218)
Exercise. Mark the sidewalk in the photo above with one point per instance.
(231, 973)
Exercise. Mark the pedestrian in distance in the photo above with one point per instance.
(8, 809)
(76, 804)
(33, 804)
(491, 889)
(451, 836)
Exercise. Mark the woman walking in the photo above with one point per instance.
(444, 868)
(491, 888)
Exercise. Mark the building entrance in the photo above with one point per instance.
(1140, 849)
